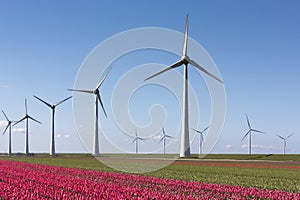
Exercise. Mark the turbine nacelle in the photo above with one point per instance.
(284, 138)
(9, 122)
(96, 91)
(137, 138)
(185, 59)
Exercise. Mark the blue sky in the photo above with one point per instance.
(255, 45)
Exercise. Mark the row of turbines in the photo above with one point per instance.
(27, 117)
(164, 137)
(252, 130)
(184, 60)
(184, 140)
(135, 139)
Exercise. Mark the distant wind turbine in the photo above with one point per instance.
(163, 138)
(185, 60)
(27, 117)
(136, 140)
(52, 139)
(97, 98)
(201, 138)
(9, 124)
(284, 141)
(249, 132)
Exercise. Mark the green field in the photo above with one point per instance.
(269, 157)
(276, 172)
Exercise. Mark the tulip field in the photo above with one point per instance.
(82, 179)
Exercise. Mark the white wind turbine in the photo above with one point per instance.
(185, 60)
(52, 139)
(284, 141)
(97, 99)
(9, 124)
(249, 132)
(27, 117)
(163, 138)
(136, 140)
(201, 139)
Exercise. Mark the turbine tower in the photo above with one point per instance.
(52, 139)
(164, 137)
(9, 123)
(185, 60)
(201, 139)
(27, 117)
(136, 140)
(284, 141)
(97, 99)
(249, 132)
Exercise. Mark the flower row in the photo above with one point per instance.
(31, 181)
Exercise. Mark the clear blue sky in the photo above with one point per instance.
(255, 45)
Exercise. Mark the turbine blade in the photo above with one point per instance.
(161, 139)
(139, 138)
(281, 137)
(19, 120)
(34, 119)
(26, 106)
(101, 103)
(205, 129)
(192, 62)
(103, 78)
(196, 130)
(257, 131)
(58, 103)
(49, 105)
(85, 91)
(249, 126)
(157, 133)
(6, 128)
(289, 136)
(5, 115)
(168, 136)
(177, 64)
(246, 135)
(133, 140)
(163, 131)
(184, 50)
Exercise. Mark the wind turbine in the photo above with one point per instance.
(9, 123)
(284, 141)
(27, 117)
(249, 133)
(52, 143)
(201, 139)
(163, 138)
(97, 98)
(136, 140)
(185, 60)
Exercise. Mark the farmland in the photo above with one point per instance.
(216, 173)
